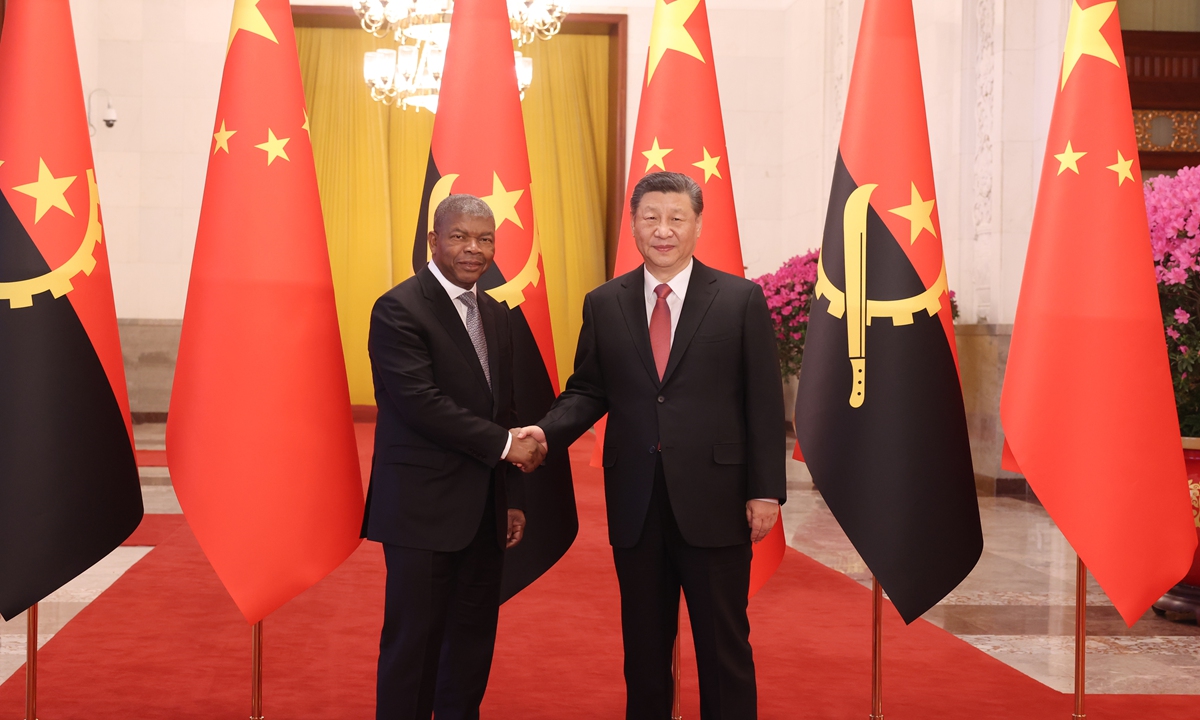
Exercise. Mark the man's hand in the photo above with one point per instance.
(516, 527)
(761, 515)
(536, 433)
(526, 453)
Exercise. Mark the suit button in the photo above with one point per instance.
(652, 449)
(661, 399)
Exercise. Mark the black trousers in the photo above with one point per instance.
(439, 628)
(715, 582)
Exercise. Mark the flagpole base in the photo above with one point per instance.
(31, 658)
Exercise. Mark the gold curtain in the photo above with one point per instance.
(371, 162)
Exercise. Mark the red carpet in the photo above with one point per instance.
(151, 458)
(166, 642)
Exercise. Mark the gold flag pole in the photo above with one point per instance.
(876, 649)
(676, 671)
(1081, 575)
(256, 653)
(31, 652)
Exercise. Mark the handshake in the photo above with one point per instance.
(528, 449)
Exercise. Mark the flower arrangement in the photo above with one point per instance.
(1173, 208)
(789, 297)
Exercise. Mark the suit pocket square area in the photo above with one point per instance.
(412, 455)
(729, 454)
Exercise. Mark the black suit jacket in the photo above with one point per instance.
(440, 431)
(718, 412)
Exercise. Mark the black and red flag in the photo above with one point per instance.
(479, 148)
(879, 413)
(69, 490)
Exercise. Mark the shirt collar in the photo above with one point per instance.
(451, 289)
(678, 284)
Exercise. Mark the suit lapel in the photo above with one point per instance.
(700, 294)
(633, 307)
(447, 315)
(487, 313)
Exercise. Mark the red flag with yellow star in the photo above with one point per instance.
(260, 439)
(680, 129)
(1088, 407)
(69, 490)
(879, 411)
(479, 148)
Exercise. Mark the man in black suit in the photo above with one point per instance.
(441, 501)
(684, 361)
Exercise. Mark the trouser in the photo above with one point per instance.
(439, 628)
(715, 582)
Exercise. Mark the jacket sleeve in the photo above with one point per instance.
(402, 362)
(585, 399)
(765, 441)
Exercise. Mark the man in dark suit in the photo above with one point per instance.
(441, 501)
(684, 361)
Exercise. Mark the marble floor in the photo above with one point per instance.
(1018, 605)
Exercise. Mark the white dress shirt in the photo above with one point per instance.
(455, 292)
(679, 287)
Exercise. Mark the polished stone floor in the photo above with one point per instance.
(1018, 605)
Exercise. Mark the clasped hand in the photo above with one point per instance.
(528, 449)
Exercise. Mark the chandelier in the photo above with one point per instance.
(410, 75)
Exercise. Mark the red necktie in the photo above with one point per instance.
(660, 329)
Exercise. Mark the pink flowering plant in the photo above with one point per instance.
(1173, 208)
(789, 296)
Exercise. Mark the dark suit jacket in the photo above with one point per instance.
(718, 412)
(440, 431)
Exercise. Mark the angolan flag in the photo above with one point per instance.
(69, 491)
(479, 148)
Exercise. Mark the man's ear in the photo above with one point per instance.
(432, 242)
(699, 224)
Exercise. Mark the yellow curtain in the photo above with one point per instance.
(371, 162)
(566, 126)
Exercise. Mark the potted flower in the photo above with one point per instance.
(789, 297)
(1173, 208)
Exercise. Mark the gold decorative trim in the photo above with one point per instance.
(1186, 136)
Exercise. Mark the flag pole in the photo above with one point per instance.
(876, 649)
(676, 670)
(1081, 575)
(31, 651)
(256, 652)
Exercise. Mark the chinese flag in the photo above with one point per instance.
(484, 153)
(69, 490)
(679, 129)
(260, 439)
(879, 412)
(1087, 407)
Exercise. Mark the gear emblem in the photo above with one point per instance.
(20, 294)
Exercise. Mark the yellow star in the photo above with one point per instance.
(49, 191)
(709, 165)
(1068, 159)
(1084, 37)
(247, 16)
(222, 137)
(274, 147)
(655, 156)
(668, 33)
(1123, 169)
(504, 203)
(919, 214)
(304, 127)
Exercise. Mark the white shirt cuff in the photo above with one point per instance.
(507, 447)
(770, 500)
